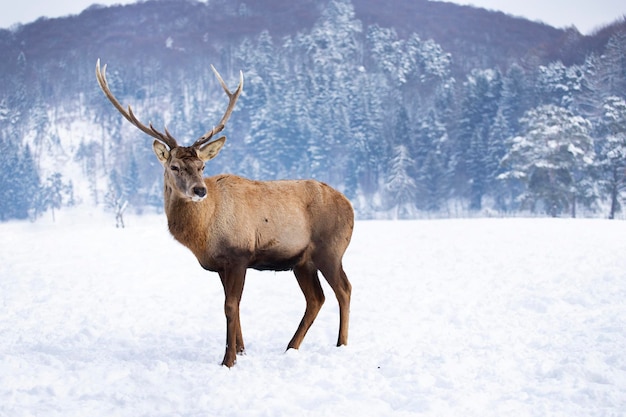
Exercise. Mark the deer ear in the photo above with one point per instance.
(211, 149)
(161, 151)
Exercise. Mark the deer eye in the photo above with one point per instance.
(174, 168)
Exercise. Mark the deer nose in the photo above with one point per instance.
(199, 191)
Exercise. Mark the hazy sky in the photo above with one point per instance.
(586, 15)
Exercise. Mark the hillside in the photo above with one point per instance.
(335, 89)
(476, 37)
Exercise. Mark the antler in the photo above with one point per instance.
(166, 137)
(232, 99)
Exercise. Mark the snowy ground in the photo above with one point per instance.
(482, 317)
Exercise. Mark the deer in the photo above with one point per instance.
(231, 223)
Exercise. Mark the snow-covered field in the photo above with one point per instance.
(481, 317)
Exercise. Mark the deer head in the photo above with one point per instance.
(183, 165)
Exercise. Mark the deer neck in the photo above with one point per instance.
(189, 221)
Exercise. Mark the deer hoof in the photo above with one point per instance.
(229, 363)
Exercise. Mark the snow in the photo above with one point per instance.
(476, 317)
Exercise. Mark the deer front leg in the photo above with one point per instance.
(233, 281)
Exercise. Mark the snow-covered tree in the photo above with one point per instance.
(515, 96)
(30, 183)
(432, 163)
(401, 186)
(552, 156)
(131, 183)
(497, 147)
(55, 193)
(333, 51)
(613, 69)
(479, 108)
(559, 84)
(408, 60)
(19, 182)
(612, 158)
(388, 53)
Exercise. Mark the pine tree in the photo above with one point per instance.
(367, 152)
(52, 193)
(560, 85)
(613, 68)
(19, 185)
(553, 152)
(387, 52)
(131, 184)
(335, 54)
(400, 183)
(5, 180)
(479, 109)
(432, 163)
(612, 158)
(503, 194)
(515, 97)
(29, 179)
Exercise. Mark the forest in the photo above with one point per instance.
(392, 119)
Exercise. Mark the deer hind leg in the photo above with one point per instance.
(338, 281)
(309, 282)
(233, 282)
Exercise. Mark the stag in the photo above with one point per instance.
(232, 223)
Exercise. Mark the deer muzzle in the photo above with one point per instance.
(198, 193)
